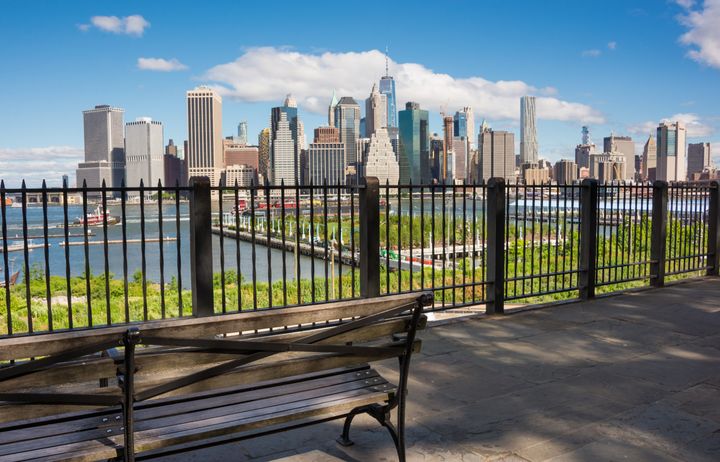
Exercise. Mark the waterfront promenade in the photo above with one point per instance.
(631, 377)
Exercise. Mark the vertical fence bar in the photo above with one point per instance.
(713, 257)
(123, 199)
(496, 246)
(26, 259)
(66, 234)
(161, 247)
(221, 236)
(201, 262)
(143, 254)
(46, 252)
(659, 233)
(268, 241)
(86, 248)
(108, 314)
(370, 238)
(588, 238)
(6, 267)
(178, 247)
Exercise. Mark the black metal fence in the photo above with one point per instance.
(157, 252)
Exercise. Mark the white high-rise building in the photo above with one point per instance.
(375, 111)
(380, 161)
(326, 163)
(205, 140)
(671, 152)
(528, 132)
(284, 162)
(144, 153)
(104, 148)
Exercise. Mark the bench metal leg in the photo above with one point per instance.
(344, 439)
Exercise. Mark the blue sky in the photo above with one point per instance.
(616, 65)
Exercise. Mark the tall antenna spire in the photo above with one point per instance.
(387, 73)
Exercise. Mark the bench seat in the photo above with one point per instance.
(227, 413)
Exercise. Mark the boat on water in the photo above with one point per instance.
(97, 218)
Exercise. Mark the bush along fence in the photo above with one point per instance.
(85, 257)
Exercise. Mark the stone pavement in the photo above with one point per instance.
(632, 377)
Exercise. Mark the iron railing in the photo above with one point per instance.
(159, 252)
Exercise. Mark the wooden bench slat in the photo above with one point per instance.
(337, 404)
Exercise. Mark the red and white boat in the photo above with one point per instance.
(98, 218)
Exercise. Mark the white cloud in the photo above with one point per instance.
(160, 64)
(129, 25)
(703, 35)
(685, 3)
(594, 53)
(693, 124)
(267, 74)
(37, 163)
(612, 45)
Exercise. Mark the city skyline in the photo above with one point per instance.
(151, 70)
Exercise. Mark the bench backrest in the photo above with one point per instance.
(80, 370)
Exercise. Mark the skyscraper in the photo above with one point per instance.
(104, 147)
(242, 133)
(626, 146)
(375, 112)
(448, 131)
(699, 158)
(565, 171)
(326, 157)
(464, 125)
(460, 146)
(381, 161)
(649, 160)
(144, 153)
(283, 159)
(205, 148)
(347, 120)
(671, 154)
(528, 132)
(496, 152)
(387, 88)
(414, 149)
(281, 162)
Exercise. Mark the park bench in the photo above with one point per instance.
(161, 387)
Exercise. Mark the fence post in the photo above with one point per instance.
(370, 238)
(659, 233)
(495, 246)
(201, 261)
(713, 257)
(588, 238)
